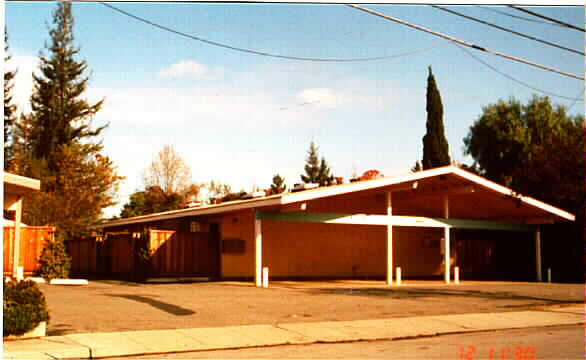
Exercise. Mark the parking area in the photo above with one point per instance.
(106, 306)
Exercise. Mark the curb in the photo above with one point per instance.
(148, 342)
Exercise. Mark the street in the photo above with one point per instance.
(556, 342)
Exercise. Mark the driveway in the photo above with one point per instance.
(106, 306)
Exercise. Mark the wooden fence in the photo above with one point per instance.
(32, 241)
(121, 255)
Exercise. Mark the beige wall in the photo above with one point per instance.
(239, 225)
(328, 250)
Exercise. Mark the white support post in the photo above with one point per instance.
(538, 253)
(258, 252)
(389, 239)
(447, 258)
(17, 242)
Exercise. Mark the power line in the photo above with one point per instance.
(508, 30)
(461, 42)
(578, 98)
(518, 17)
(513, 79)
(261, 53)
(546, 18)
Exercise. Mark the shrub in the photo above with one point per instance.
(55, 263)
(25, 307)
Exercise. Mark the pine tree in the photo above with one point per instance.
(435, 144)
(9, 108)
(60, 115)
(56, 142)
(312, 165)
(325, 177)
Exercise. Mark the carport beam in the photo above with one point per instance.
(446, 242)
(258, 252)
(538, 253)
(389, 239)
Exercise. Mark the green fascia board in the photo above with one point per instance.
(339, 218)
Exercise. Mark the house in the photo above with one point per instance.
(425, 222)
(15, 188)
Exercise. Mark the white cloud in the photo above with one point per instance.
(184, 69)
(325, 97)
(23, 81)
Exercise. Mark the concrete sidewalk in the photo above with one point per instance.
(99, 345)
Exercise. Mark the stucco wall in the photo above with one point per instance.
(238, 226)
(328, 250)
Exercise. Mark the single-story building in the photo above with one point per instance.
(15, 188)
(425, 222)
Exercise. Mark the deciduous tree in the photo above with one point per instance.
(169, 171)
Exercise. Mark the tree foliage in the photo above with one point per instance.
(316, 171)
(435, 145)
(537, 149)
(169, 171)
(57, 144)
(152, 200)
(278, 186)
(9, 107)
(61, 116)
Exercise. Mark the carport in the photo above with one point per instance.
(444, 198)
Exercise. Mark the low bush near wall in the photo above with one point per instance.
(25, 307)
(55, 263)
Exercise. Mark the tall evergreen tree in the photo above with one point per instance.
(60, 114)
(9, 108)
(312, 165)
(435, 144)
(57, 143)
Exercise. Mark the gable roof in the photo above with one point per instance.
(446, 179)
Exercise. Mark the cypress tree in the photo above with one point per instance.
(435, 144)
(60, 115)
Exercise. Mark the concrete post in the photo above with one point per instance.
(456, 275)
(265, 277)
(389, 239)
(447, 258)
(538, 253)
(258, 252)
(16, 245)
(399, 279)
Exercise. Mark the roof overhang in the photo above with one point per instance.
(16, 186)
(448, 181)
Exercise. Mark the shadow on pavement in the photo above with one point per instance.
(428, 293)
(169, 308)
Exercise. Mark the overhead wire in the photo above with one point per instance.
(507, 30)
(546, 18)
(262, 53)
(580, 97)
(513, 79)
(462, 42)
(518, 17)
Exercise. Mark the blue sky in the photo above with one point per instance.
(241, 118)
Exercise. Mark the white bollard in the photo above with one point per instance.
(265, 277)
(398, 275)
(548, 275)
(456, 275)
(20, 273)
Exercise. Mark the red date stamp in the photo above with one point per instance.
(470, 352)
